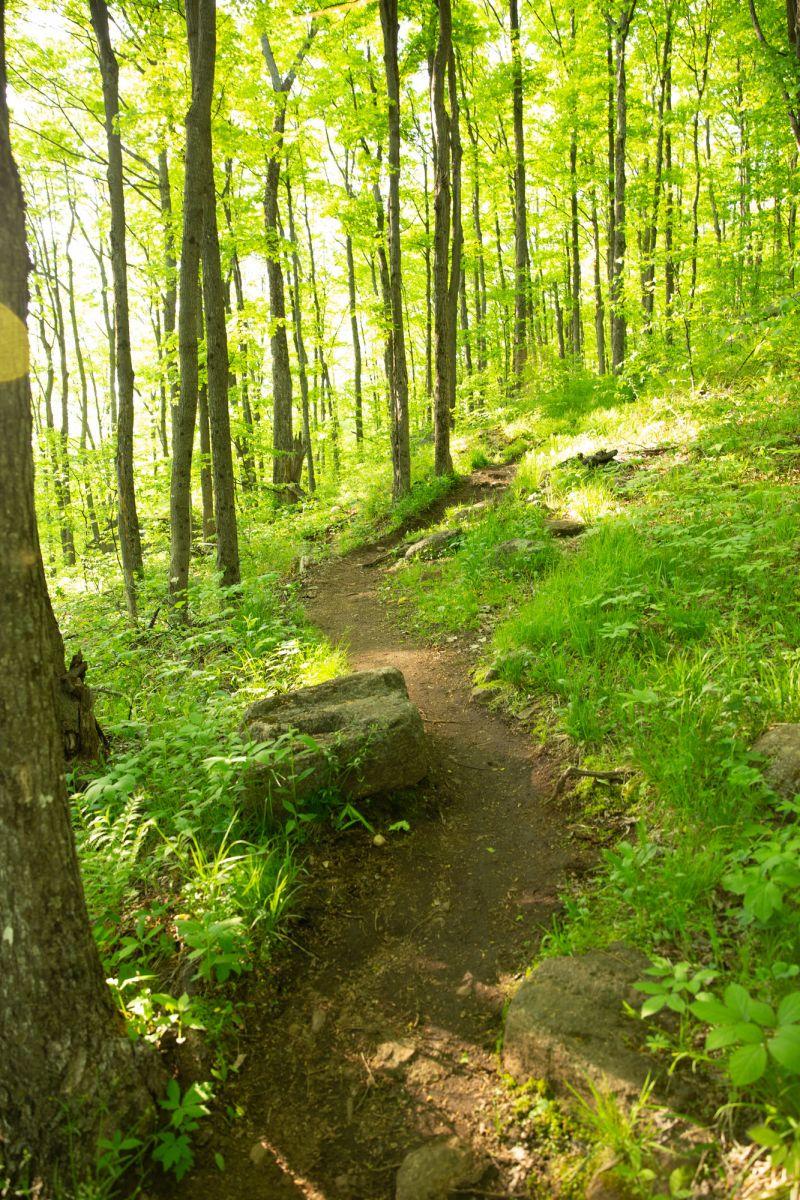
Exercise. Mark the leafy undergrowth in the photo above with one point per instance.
(662, 641)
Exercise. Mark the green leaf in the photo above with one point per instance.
(219, 1160)
(785, 1047)
(677, 1004)
(747, 1065)
(789, 1009)
(762, 1013)
(748, 1034)
(737, 999)
(762, 1135)
(722, 1036)
(653, 1005)
(712, 1012)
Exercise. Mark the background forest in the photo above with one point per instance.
(296, 269)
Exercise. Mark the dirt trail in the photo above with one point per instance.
(416, 941)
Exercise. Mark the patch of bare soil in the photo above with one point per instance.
(417, 943)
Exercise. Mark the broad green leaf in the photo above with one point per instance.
(789, 1009)
(737, 999)
(747, 1065)
(712, 1012)
(785, 1047)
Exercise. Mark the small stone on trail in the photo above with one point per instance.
(318, 1019)
(258, 1153)
(392, 1056)
(564, 527)
(780, 746)
(436, 1169)
(516, 548)
(379, 840)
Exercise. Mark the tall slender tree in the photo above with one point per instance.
(396, 343)
(284, 449)
(520, 201)
(447, 237)
(129, 537)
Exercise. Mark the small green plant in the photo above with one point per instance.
(173, 1146)
(217, 947)
(673, 986)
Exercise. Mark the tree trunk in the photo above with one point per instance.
(599, 308)
(204, 430)
(170, 297)
(447, 236)
(520, 203)
(198, 129)
(398, 381)
(299, 343)
(217, 360)
(129, 537)
(358, 398)
(669, 261)
(68, 1072)
(618, 317)
(284, 464)
(651, 230)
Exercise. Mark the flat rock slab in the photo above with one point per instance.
(436, 1169)
(368, 736)
(567, 1023)
(780, 746)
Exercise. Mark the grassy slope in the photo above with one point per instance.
(663, 640)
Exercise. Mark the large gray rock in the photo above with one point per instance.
(368, 737)
(780, 746)
(436, 1169)
(567, 1022)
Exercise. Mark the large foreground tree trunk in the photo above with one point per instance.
(67, 1068)
(129, 539)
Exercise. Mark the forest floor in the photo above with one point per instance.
(417, 941)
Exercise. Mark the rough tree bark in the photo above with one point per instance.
(129, 538)
(65, 1058)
